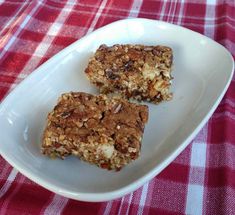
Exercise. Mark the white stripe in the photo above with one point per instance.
(97, 16)
(46, 42)
(163, 10)
(210, 12)
(135, 8)
(194, 202)
(194, 199)
(12, 74)
(122, 201)
(168, 15)
(8, 183)
(41, 50)
(229, 102)
(198, 156)
(68, 30)
(22, 25)
(173, 14)
(54, 29)
(180, 12)
(5, 84)
(56, 206)
(108, 208)
(129, 203)
(223, 114)
(13, 38)
(120, 208)
(211, 2)
(143, 199)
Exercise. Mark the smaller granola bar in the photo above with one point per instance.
(103, 131)
(134, 71)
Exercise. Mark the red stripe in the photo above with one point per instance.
(76, 207)
(219, 177)
(13, 190)
(5, 171)
(175, 172)
(8, 10)
(221, 130)
(220, 200)
(32, 36)
(230, 92)
(28, 194)
(48, 14)
(153, 211)
(151, 9)
(13, 63)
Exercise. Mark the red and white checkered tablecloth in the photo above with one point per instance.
(199, 181)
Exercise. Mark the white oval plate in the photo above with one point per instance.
(202, 72)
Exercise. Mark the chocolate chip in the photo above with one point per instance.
(136, 93)
(113, 136)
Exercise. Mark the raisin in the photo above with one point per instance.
(110, 75)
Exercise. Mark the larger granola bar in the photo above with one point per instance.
(134, 71)
(103, 131)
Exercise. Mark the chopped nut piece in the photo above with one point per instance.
(100, 130)
(128, 69)
(117, 108)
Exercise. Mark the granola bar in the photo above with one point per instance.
(134, 71)
(103, 131)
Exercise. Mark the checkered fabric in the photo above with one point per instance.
(201, 180)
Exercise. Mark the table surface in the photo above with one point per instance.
(201, 180)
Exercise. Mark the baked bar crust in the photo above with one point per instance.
(103, 131)
(134, 71)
